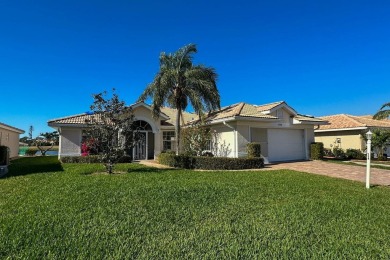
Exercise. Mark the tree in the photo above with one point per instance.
(380, 140)
(46, 141)
(179, 83)
(111, 127)
(383, 113)
(30, 132)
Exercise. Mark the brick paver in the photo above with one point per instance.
(349, 172)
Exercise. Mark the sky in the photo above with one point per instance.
(321, 57)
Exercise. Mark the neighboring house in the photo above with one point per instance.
(9, 136)
(345, 131)
(283, 133)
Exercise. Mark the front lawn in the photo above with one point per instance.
(48, 210)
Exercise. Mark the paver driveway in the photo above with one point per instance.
(349, 172)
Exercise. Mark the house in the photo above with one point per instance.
(283, 133)
(9, 136)
(345, 131)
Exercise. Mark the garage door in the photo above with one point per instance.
(285, 145)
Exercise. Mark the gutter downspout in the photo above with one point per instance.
(235, 138)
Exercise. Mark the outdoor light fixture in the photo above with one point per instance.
(368, 155)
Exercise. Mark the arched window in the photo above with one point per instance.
(141, 125)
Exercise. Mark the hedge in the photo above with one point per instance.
(31, 151)
(316, 151)
(209, 163)
(355, 154)
(254, 150)
(91, 159)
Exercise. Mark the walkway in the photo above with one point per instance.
(349, 172)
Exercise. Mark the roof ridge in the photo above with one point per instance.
(351, 117)
(242, 104)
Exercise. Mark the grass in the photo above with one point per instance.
(373, 163)
(49, 210)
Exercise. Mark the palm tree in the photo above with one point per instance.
(179, 83)
(383, 113)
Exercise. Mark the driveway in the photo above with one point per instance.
(349, 172)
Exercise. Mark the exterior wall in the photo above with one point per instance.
(226, 141)
(348, 139)
(70, 142)
(243, 138)
(11, 140)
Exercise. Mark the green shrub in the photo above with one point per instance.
(316, 151)
(354, 154)
(225, 163)
(254, 150)
(81, 159)
(339, 153)
(167, 158)
(382, 158)
(125, 159)
(4, 155)
(209, 163)
(31, 151)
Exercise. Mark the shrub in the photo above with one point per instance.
(167, 158)
(125, 159)
(316, 151)
(4, 155)
(354, 154)
(382, 158)
(254, 150)
(209, 163)
(225, 163)
(31, 151)
(80, 159)
(339, 153)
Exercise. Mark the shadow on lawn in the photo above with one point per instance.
(30, 165)
(149, 170)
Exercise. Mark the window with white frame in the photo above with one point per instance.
(169, 140)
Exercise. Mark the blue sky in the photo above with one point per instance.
(321, 57)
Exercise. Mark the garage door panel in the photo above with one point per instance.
(285, 145)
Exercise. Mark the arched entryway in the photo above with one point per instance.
(144, 147)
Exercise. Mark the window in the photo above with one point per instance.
(169, 140)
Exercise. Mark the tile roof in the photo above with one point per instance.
(239, 109)
(269, 106)
(309, 118)
(171, 113)
(75, 119)
(342, 121)
(81, 119)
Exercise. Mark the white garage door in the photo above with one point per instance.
(285, 145)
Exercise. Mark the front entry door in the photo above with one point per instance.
(140, 147)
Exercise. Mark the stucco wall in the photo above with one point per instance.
(348, 139)
(243, 138)
(226, 141)
(70, 141)
(11, 140)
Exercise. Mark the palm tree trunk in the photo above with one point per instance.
(177, 129)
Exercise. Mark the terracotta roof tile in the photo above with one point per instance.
(269, 106)
(342, 121)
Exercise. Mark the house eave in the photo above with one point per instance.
(341, 129)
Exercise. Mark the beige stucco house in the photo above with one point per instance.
(9, 136)
(345, 131)
(283, 133)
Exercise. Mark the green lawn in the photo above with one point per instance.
(48, 210)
